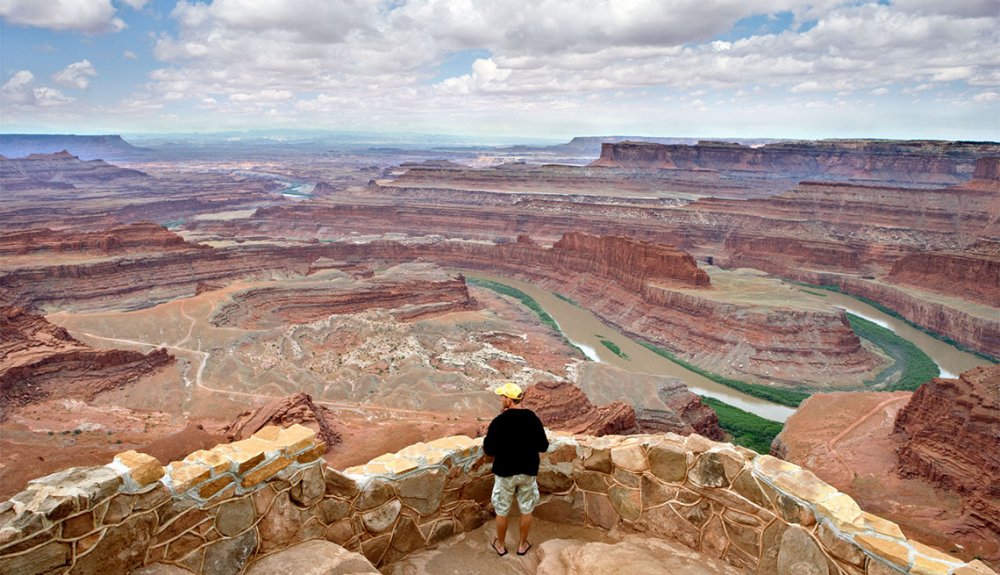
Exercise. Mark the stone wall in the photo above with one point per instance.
(754, 511)
(220, 510)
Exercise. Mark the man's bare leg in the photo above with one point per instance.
(501, 543)
(525, 525)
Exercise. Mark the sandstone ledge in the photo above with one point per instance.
(223, 509)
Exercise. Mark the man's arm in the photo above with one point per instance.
(543, 441)
(489, 442)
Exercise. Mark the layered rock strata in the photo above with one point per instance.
(650, 290)
(61, 191)
(141, 281)
(561, 405)
(950, 432)
(976, 331)
(227, 508)
(52, 168)
(127, 238)
(411, 295)
(913, 162)
(39, 360)
(812, 228)
(972, 274)
(295, 409)
(875, 225)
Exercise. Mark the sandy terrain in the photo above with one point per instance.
(391, 383)
(851, 447)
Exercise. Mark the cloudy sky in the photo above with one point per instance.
(541, 69)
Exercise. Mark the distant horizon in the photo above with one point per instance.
(730, 69)
(300, 135)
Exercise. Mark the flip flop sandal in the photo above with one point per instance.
(494, 546)
(526, 549)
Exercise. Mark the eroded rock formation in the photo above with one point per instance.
(975, 329)
(61, 191)
(39, 360)
(297, 408)
(54, 168)
(972, 274)
(137, 237)
(662, 404)
(648, 289)
(951, 436)
(929, 460)
(913, 161)
(412, 290)
(561, 405)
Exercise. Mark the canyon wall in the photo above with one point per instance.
(973, 274)
(563, 406)
(224, 509)
(975, 332)
(907, 162)
(55, 167)
(130, 237)
(782, 345)
(297, 303)
(61, 191)
(651, 291)
(950, 431)
(39, 360)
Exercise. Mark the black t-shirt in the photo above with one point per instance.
(514, 439)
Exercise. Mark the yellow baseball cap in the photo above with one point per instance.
(509, 389)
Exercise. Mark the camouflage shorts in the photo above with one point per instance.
(505, 488)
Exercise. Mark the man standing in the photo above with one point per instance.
(514, 439)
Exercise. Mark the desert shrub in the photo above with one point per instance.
(789, 397)
(745, 428)
(913, 365)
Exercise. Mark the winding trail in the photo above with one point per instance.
(369, 411)
(854, 425)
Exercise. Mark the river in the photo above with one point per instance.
(584, 329)
(950, 360)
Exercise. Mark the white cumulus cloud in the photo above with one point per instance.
(91, 16)
(20, 91)
(76, 75)
(486, 75)
(48, 97)
(17, 90)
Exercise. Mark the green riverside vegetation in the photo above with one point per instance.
(528, 302)
(567, 300)
(912, 366)
(789, 397)
(517, 294)
(891, 312)
(613, 347)
(746, 429)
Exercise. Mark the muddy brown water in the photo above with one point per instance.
(950, 360)
(585, 330)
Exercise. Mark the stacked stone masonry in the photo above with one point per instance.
(226, 509)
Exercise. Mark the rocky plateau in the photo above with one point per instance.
(927, 459)
(160, 303)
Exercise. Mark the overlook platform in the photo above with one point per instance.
(609, 504)
(559, 549)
